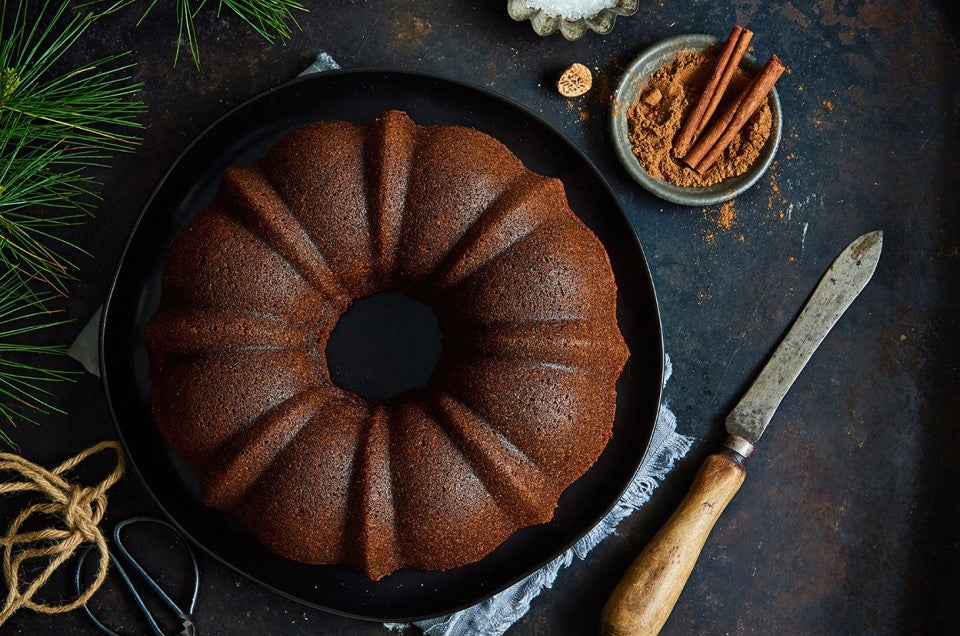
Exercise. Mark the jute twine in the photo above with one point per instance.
(78, 510)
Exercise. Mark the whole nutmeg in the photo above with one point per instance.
(575, 80)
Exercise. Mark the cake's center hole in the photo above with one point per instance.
(384, 344)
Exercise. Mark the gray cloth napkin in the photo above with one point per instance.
(495, 615)
(86, 348)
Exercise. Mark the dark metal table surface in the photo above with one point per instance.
(848, 521)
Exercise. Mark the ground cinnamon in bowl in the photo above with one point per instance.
(661, 125)
(664, 103)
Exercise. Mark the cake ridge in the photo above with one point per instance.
(393, 133)
(501, 209)
(284, 420)
(236, 277)
(553, 273)
(547, 413)
(215, 395)
(371, 498)
(566, 342)
(465, 280)
(535, 362)
(457, 173)
(465, 399)
(286, 234)
(509, 322)
(415, 148)
(322, 450)
(438, 490)
(325, 189)
(367, 204)
(479, 448)
(194, 333)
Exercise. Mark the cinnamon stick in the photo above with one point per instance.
(727, 63)
(742, 43)
(707, 140)
(708, 148)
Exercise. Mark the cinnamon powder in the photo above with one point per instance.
(663, 105)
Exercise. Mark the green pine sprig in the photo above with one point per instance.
(53, 127)
(272, 19)
(24, 374)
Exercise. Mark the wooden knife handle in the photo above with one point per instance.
(646, 594)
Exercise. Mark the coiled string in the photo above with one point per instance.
(78, 510)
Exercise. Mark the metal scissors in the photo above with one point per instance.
(185, 616)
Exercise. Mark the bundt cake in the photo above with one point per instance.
(520, 404)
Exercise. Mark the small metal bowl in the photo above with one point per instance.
(635, 78)
(544, 24)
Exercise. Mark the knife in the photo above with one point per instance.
(646, 594)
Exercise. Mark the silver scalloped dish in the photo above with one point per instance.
(544, 24)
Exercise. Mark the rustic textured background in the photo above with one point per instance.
(848, 521)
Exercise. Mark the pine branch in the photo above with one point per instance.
(53, 128)
(23, 393)
(271, 19)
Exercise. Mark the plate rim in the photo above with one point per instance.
(264, 95)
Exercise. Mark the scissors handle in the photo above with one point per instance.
(184, 616)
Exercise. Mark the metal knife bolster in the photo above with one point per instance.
(741, 448)
(837, 289)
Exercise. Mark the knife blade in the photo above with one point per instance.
(645, 596)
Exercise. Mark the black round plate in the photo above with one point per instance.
(242, 136)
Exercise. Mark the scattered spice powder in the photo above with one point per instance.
(727, 215)
(605, 88)
(776, 198)
(662, 107)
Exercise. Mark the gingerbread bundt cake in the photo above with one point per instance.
(520, 404)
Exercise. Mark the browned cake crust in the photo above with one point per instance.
(520, 405)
